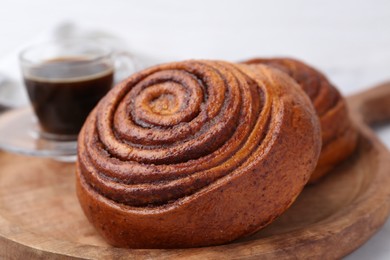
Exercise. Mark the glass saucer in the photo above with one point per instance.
(20, 133)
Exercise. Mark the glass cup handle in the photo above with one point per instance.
(125, 65)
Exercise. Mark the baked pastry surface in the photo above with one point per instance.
(195, 153)
(339, 136)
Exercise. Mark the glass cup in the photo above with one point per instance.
(64, 81)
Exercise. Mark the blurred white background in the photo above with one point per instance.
(349, 40)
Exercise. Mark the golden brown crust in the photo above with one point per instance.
(339, 137)
(195, 153)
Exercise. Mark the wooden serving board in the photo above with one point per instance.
(40, 216)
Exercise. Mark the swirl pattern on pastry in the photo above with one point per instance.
(339, 137)
(195, 145)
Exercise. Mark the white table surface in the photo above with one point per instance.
(349, 40)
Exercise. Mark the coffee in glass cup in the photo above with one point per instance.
(64, 81)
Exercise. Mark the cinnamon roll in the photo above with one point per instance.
(195, 153)
(339, 137)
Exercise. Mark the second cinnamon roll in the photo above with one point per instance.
(339, 136)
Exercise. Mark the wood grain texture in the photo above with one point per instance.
(40, 216)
